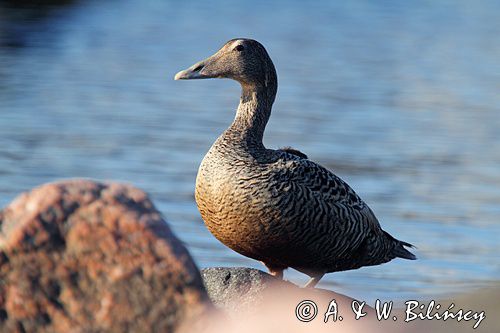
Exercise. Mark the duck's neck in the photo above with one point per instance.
(252, 115)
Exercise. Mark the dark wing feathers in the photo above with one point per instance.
(353, 226)
(292, 151)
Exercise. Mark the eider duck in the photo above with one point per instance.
(277, 206)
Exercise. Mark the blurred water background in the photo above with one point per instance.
(399, 98)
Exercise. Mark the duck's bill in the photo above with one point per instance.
(193, 72)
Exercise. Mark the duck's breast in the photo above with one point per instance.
(237, 203)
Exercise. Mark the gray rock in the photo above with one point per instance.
(237, 288)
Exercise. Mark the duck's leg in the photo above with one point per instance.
(276, 271)
(314, 280)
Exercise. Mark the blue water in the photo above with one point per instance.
(400, 99)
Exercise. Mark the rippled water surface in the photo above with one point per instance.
(400, 100)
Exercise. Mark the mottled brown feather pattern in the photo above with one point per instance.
(277, 206)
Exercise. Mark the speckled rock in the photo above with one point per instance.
(253, 301)
(238, 288)
(82, 256)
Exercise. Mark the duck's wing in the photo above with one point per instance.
(343, 223)
(309, 178)
(318, 200)
(293, 151)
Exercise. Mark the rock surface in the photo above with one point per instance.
(82, 256)
(254, 301)
(237, 288)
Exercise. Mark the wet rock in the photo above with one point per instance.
(82, 256)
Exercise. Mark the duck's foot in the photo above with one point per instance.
(313, 281)
(278, 274)
(275, 271)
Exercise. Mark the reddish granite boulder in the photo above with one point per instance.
(81, 256)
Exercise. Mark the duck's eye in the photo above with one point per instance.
(239, 48)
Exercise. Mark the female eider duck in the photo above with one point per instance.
(277, 206)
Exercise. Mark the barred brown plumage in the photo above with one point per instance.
(277, 206)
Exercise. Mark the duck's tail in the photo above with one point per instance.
(399, 249)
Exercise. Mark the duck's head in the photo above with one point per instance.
(243, 60)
